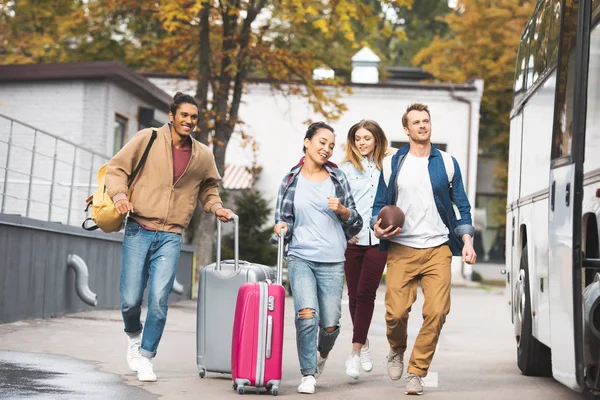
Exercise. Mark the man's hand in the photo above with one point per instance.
(224, 214)
(468, 253)
(123, 206)
(279, 227)
(337, 207)
(353, 240)
(384, 233)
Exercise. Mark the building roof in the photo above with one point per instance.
(237, 177)
(111, 70)
(365, 55)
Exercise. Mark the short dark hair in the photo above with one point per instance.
(414, 107)
(313, 128)
(180, 99)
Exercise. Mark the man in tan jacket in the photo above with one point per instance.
(178, 172)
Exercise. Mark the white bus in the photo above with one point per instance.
(553, 205)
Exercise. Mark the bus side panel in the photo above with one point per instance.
(535, 175)
(533, 218)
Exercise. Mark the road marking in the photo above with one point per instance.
(431, 380)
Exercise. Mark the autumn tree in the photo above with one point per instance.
(39, 31)
(218, 43)
(482, 42)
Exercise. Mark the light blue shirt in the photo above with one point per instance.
(364, 188)
(318, 234)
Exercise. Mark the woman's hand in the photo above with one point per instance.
(278, 227)
(390, 151)
(337, 207)
(353, 240)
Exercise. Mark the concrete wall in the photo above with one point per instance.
(35, 281)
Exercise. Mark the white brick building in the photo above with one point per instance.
(277, 122)
(96, 106)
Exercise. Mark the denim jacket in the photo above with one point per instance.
(284, 211)
(444, 196)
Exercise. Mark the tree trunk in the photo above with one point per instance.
(203, 231)
(203, 240)
(204, 224)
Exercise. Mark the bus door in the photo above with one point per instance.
(566, 189)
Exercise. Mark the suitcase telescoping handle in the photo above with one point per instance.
(280, 245)
(236, 241)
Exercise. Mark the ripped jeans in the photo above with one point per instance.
(317, 289)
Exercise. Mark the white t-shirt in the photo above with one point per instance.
(423, 227)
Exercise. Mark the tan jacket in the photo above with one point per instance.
(158, 202)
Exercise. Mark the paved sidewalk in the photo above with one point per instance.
(476, 357)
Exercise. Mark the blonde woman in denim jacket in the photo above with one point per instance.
(316, 209)
(366, 147)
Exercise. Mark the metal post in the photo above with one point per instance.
(91, 175)
(71, 188)
(6, 166)
(31, 173)
(53, 179)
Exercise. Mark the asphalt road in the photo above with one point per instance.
(83, 356)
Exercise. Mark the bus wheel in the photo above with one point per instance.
(533, 357)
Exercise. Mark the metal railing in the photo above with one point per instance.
(44, 176)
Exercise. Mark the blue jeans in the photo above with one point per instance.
(152, 255)
(319, 287)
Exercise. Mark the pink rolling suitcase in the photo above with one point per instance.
(257, 342)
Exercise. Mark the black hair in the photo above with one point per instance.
(313, 128)
(180, 99)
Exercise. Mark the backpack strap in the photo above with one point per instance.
(386, 169)
(449, 165)
(143, 160)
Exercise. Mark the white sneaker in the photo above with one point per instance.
(145, 371)
(133, 351)
(395, 365)
(307, 385)
(353, 366)
(366, 361)
(320, 365)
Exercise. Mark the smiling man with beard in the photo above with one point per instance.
(178, 172)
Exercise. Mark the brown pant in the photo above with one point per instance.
(405, 267)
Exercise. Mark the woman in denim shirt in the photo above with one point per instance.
(366, 146)
(317, 212)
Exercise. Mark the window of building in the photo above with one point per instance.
(120, 133)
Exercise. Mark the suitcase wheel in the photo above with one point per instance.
(234, 386)
(202, 373)
(241, 389)
(275, 390)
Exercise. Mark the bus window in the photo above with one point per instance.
(520, 68)
(554, 34)
(539, 40)
(563, 126)
(532, 39)
(592, 139)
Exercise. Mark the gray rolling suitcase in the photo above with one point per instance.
(217, 296)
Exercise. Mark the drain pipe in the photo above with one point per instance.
(177, 287)
(81, 280)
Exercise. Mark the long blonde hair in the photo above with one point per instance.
(353, 154)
